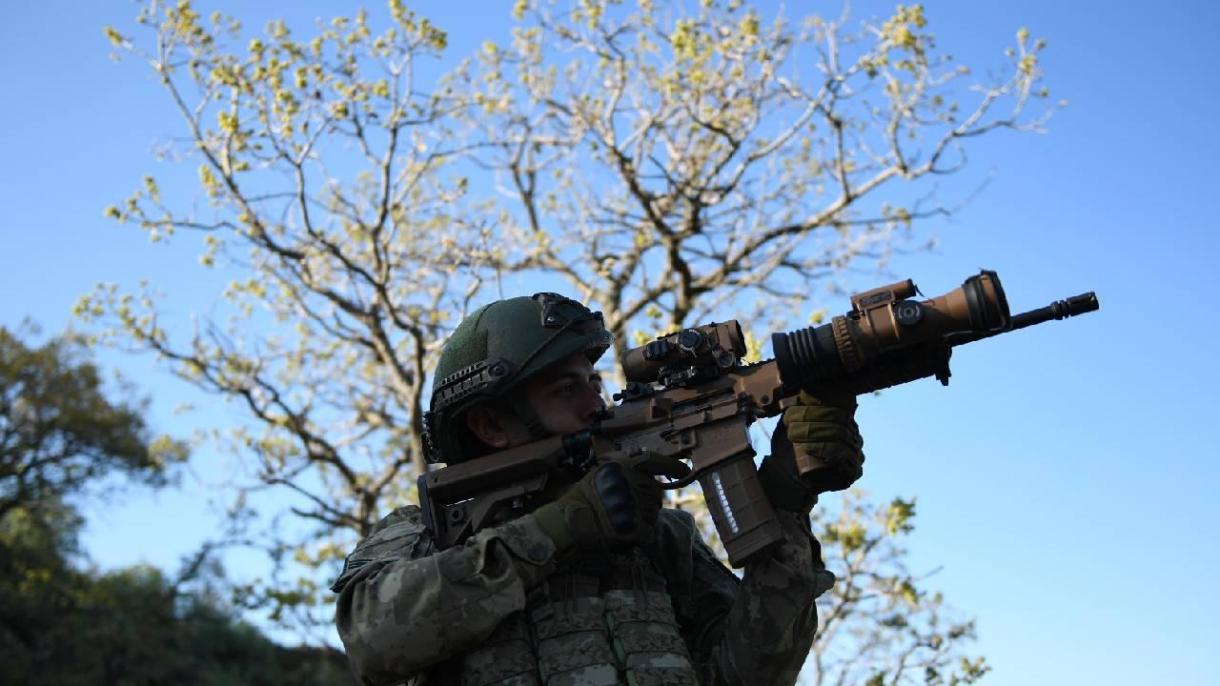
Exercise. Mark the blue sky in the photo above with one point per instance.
(1065, 479)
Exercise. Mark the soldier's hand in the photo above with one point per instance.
(816, 448)
(615, 504)
(825, 439)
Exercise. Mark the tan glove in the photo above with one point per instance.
(816, 448)
(614, 505)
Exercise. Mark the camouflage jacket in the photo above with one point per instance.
(495, 605)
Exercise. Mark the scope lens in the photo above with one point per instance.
(690, 339)
(986, 300)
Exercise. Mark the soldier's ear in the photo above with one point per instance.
(490, 425)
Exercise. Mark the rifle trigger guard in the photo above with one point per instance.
(681, 483)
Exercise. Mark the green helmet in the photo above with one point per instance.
(495, 349)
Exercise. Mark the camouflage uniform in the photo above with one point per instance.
(507, 607)
(504, 608)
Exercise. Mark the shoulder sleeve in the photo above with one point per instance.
(400, 535)
(403, 606)
(701, 587)
(757, 629)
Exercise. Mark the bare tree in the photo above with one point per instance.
(670, 167)
(345, 285)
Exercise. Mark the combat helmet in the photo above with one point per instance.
(495, 349)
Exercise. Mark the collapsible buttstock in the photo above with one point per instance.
(462, 499)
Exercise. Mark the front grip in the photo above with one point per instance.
(740, 509)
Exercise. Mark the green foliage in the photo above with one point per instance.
(59, 431)
(59, 625)
(880, 624)
(59, 434)
(898, 516)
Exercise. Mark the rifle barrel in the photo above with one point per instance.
(1060, 309)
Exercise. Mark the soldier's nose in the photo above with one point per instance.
(591, 409)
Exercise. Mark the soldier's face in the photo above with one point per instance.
(564, 397)
(567, 395)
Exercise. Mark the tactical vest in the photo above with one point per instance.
(602, 619)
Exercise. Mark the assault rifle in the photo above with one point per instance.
(689, 396)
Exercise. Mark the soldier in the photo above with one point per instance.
(562, 595)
